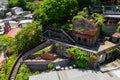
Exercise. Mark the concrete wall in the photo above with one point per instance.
(35, 65)
(62, 62)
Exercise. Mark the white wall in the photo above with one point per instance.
(4, 1)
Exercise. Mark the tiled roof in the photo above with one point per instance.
(116, 35)
(13, 32)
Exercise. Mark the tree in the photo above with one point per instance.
(28, 37)
(33, 5)
(23, 72)
(22, 3)
(52, 11)
(6, 39)
(12, 3)
(118, 29)
(19, 3)
(81, 57)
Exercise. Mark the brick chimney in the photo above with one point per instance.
(7, 27)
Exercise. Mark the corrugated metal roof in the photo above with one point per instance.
(45, 76)
(75, 74)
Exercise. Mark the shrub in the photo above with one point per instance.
(50, 66)
(7, 67)
(81, 57)
(6, 39)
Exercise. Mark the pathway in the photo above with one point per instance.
(20, 59)
(2, 59)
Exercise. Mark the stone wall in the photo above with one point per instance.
(110, 30)
(41, 65)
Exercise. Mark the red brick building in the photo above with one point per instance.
(85, 32)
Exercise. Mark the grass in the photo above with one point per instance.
(47, 49)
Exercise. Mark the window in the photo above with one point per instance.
(85, 40)
(79, 38)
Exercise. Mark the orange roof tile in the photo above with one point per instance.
(13, 32)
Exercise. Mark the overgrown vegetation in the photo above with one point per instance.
(24, 73)
(50, 66)
(94, 18)
(32, 6)
(7, 67)
(46, 49)
(118, 29)
(9, 41)
(20, 3)
(6, 39)
(52, 12)
(28, 37)
(81, 57)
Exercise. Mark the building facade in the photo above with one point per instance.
(85, 32)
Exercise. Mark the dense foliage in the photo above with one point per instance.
(6, 39)
(9, 41)
(94, 17)
(53, 12)
(81, 57)
(19, 3)
(28, 37)
(24, 73)
(32, 6)
(50, 66)
(118, 29)
(7, 67)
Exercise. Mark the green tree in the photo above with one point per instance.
(19, 3)
(50, 66)
(7, 67)
(28, 37)
(33, 5)
(118, 29)
(22, 3)
(6, 39)
(81, 57)
(12, 3)
(54, 11)
(23, 73)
